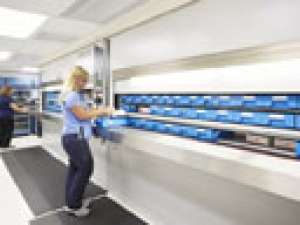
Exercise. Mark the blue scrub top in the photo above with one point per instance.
(71, 123)
(5, 110)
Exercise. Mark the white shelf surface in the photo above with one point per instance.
(276, 175)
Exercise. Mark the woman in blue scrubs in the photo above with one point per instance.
(75, 139)
(7, 109)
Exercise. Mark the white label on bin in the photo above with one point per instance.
(193, 97)
(168, 109)
(169, 125)
(222, 112)
(207, 97)
(200, 130)
(224, 97)
(279, 98)
(249, 97)
(200, 110)
(246, 114)
(176, 97)
(276, 116)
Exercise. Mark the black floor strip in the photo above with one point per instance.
(41, 178)
(104, 212)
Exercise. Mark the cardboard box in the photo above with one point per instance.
(284, 143)
(258, 140)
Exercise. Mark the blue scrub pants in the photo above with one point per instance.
(81, 167)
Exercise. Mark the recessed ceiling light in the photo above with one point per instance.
(4, 56)
(19, 24)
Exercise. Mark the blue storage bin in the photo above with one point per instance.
(261, 118)
(208, 134)
(182, 100)
(151, 125)
(189, 132)
(155, 110)
(171, 100)
(234, 117)
(130, 99)
(297, 122)
(259, 101)
(286, 102)
(129, 108)
(228, 116)
(137, 99)
(132, 122)
(211, 115)
(123, 99)
(146, 99)
(230, 101)
(162, 100)
(211, 101)
(176, 129)
(247, 117)
(197, 101)
(162, 127)
(190, 113)
(155, 99)
(174, 112)
(140, 123)
(255, 118)
(111, 122)
(281, 121)
(222, 115)
(201, 114)
(249, 101)
(142, 99)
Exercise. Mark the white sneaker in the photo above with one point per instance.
(81, 212)
(87, 202)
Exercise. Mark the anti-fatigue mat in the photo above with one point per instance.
(41, 178)
(104, 212)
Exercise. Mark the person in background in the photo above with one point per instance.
(75, 139)
(7, 109)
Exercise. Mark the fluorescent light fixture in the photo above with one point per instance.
(4, 56)
(30, 69)
(17, 24)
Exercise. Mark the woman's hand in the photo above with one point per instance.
(105, 111)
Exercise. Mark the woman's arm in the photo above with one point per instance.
(83, 114)
(17, 108)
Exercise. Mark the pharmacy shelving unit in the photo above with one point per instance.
(268, 123)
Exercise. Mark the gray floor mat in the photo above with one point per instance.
(40, 178)
(104, 212)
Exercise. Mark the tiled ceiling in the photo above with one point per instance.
(62, 29)
(69, 21)
(47, 7)
(100, 11)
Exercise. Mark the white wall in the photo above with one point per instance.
(208, 26)
(60, 69)
(281, 76)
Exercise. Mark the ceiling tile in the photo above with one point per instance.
(38, 47)
(10, 44)
(60, 29)
(100, 11)
(48, 7)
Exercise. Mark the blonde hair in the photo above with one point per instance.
(70, 83)
(5, 90)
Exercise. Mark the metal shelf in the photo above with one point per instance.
(236, 108)
(265, 131)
